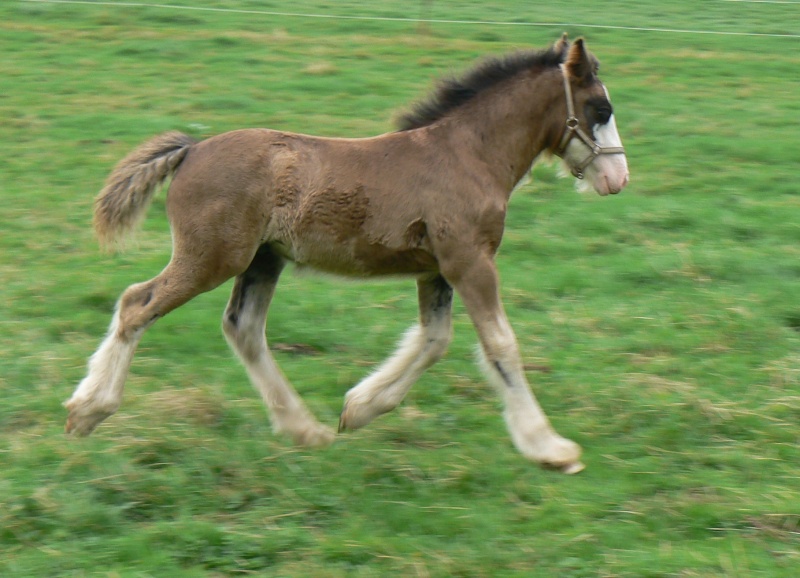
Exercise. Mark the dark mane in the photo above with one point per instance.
(452, 93)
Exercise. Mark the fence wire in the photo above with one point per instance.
(431, 20)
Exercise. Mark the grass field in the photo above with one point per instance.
(660, 327)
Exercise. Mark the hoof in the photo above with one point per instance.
(356, 415)
(316, 436)
(552, 452)
(83, 420)
(564, 456)
(346, 420)
(568, 469)
(574, 468)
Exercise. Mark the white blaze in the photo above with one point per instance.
(607, 173)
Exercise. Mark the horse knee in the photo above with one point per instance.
(230, 325)
(438, 336)
(231, 330)
(244, 340)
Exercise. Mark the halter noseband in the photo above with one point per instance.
(573, 129)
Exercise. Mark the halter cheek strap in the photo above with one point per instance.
(574, 130)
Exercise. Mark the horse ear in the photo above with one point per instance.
(561, 46)
(579, 64)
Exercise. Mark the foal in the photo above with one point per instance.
(427, 201)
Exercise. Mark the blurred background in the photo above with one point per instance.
(659, 328)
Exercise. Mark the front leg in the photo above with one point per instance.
(531, 432)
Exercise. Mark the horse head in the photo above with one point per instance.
(590, 145)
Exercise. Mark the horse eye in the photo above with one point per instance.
(603, 114)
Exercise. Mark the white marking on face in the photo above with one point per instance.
(607, 134)
(608, 173)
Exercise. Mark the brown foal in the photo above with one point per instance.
(428, 201)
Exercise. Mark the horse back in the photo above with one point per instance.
(371, 206)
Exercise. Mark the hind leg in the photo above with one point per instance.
(244, 325)
(422, 346)
(100, 393)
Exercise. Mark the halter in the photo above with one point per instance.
(574, 129)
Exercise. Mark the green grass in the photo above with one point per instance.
(660, 326)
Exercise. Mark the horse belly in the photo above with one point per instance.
(357, 257)
(344, 230)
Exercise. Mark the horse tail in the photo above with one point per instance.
(121, 205)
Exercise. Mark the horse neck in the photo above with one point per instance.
(512, 124)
